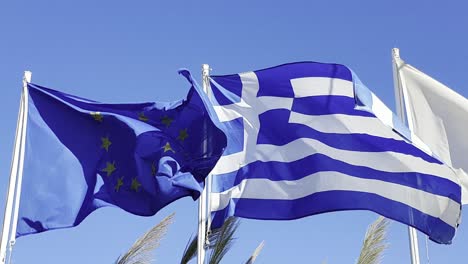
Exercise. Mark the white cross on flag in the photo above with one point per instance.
(309, 138)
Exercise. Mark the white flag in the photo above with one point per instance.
(438, 116)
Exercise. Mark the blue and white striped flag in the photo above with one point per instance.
(308, 138)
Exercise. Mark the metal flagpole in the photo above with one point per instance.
(403, 112)
(202, 203)
(22, 114)
(11, 186)
(207, 89)
(19, 179)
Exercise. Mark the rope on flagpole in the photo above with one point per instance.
(404, 114)
(12, 185)
(427, 250)
(202, 203)
(19, 179)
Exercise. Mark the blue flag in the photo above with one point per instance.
(309, 138)
(82, 155)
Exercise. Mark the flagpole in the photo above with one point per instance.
(19, 180)
(202, 203)
(209, 178)
(11, 186)
(22, 114)
(404, 113)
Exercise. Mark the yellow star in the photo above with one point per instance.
(142, 117)
(97, 116)
(166, 121)
(153, 168)
(118, 184)
(182, 135)
(168, 147)
(135, 185)
(105, 143)
(110, 168)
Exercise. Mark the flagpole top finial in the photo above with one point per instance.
(205, 70)
(27, 76)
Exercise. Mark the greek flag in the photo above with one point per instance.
(308, 138)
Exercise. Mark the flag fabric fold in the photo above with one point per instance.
(82, 155)
(438, 115)
(308, 138)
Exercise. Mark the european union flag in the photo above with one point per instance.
(82, 155)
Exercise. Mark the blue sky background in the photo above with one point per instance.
(129, 51)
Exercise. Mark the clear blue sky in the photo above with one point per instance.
(129, 51)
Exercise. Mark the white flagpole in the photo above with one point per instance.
(19, 179)
(207, 89)
(404, 113)
(202, 203)
(22, 115)
(11, 186)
